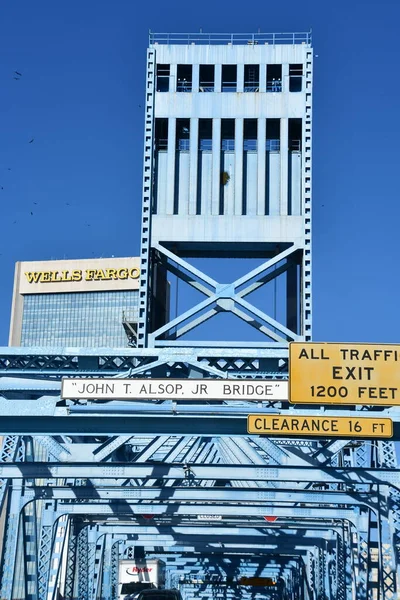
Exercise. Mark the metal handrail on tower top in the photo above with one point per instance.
(232, 39)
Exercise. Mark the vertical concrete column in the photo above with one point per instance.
(172, 77)
(240, 78)
(239, 124)
(261, 164)
(216, 167)
(284, 166)
(218, 78)
(285, 77)
(263, 78)
(193, 167)
(171, 156)
(195, 78)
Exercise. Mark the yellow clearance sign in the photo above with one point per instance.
(304, 426)
(366, 374)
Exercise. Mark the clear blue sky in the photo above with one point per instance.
(81, 98)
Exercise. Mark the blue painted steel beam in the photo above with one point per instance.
(102, 362)
(202, 472)
(127, 423)
(125, 509)
(174, 494)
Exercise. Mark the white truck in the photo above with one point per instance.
(135, 576)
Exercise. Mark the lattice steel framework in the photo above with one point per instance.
(186, 482)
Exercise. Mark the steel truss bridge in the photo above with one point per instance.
(187, 484)
(85, 483)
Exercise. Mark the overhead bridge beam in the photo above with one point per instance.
(122, 509)
(35, 421)
(200, 494)
(196, 472)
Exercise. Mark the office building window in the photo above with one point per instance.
(80, 319)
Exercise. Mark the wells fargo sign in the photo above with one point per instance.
(82, 275)
(337, 373)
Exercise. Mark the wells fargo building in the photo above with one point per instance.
(90, 302)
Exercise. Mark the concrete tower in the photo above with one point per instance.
(227, 173)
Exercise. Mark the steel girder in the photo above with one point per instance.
(250, 472)
(249, 361)
(71, 566)
(9, 451)
(312, 457)
(83, 563)
(44, 418)
(363, 484)
(389, 529)
(136, 494)
(11, 542)
(217, 295)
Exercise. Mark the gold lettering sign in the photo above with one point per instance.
(78, 275)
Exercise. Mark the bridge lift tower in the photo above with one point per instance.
(227, 175)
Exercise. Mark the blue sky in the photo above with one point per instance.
(81, 98)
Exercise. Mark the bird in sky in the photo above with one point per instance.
(31, 213)
(2, 187)
(17, 78)
(17, 73)
(30, 141)
(35, 203)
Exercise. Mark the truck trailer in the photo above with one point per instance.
(135, 576)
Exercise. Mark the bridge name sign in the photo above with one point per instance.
(174, 389)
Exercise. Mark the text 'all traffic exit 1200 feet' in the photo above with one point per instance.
(336, 373)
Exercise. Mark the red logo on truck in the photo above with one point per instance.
(133, 570)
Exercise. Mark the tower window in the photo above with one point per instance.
(183, 134)
(184, 74)
(205, 134)
(162, 78)
(295, 78)
(295, 135)
(161, 134)
(251, 78)
(274, 78)
(229, 78)
(207, 78)
(228, 134)
(273, 142)
(250, 134)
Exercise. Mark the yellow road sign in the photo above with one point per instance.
(305, 426)
(367, 374)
